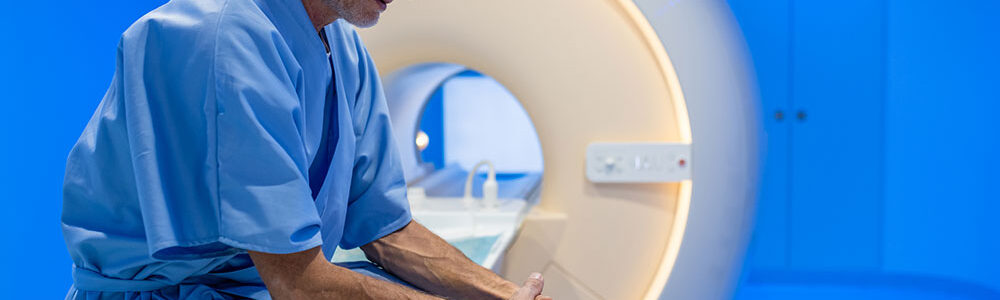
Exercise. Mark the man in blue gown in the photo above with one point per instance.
(240, 143)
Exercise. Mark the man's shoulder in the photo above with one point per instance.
(185, 24)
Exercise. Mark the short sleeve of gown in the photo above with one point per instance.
(218, 151)
(377, 204)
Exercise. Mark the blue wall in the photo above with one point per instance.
(888, 185)
(57, 59)
(891, 178)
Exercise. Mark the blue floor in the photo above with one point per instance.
(858, 286)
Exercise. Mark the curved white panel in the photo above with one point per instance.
(591, 71)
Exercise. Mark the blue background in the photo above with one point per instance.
(57, 59)
(887, 188)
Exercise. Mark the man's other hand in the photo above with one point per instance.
(531, 289)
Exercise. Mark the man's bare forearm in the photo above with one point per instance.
(307, 275)
(423, 259)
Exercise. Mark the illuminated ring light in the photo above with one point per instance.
(598, 71)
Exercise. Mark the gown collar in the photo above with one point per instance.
(291, 17)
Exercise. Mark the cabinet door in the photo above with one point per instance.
(942, 175)
(836, 157)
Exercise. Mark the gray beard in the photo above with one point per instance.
(350, 11)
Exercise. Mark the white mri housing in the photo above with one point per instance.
(590, 71)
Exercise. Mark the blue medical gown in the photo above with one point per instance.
(201, 149)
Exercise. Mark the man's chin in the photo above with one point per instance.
(364, 22)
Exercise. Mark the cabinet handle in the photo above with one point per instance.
(779, 115)
(801, 115)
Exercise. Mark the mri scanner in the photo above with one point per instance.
(601, 72)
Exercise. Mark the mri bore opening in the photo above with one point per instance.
(469, 118)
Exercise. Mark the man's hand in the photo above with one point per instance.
(532, 289)
(423, 259)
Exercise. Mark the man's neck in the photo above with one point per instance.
(320, 13)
